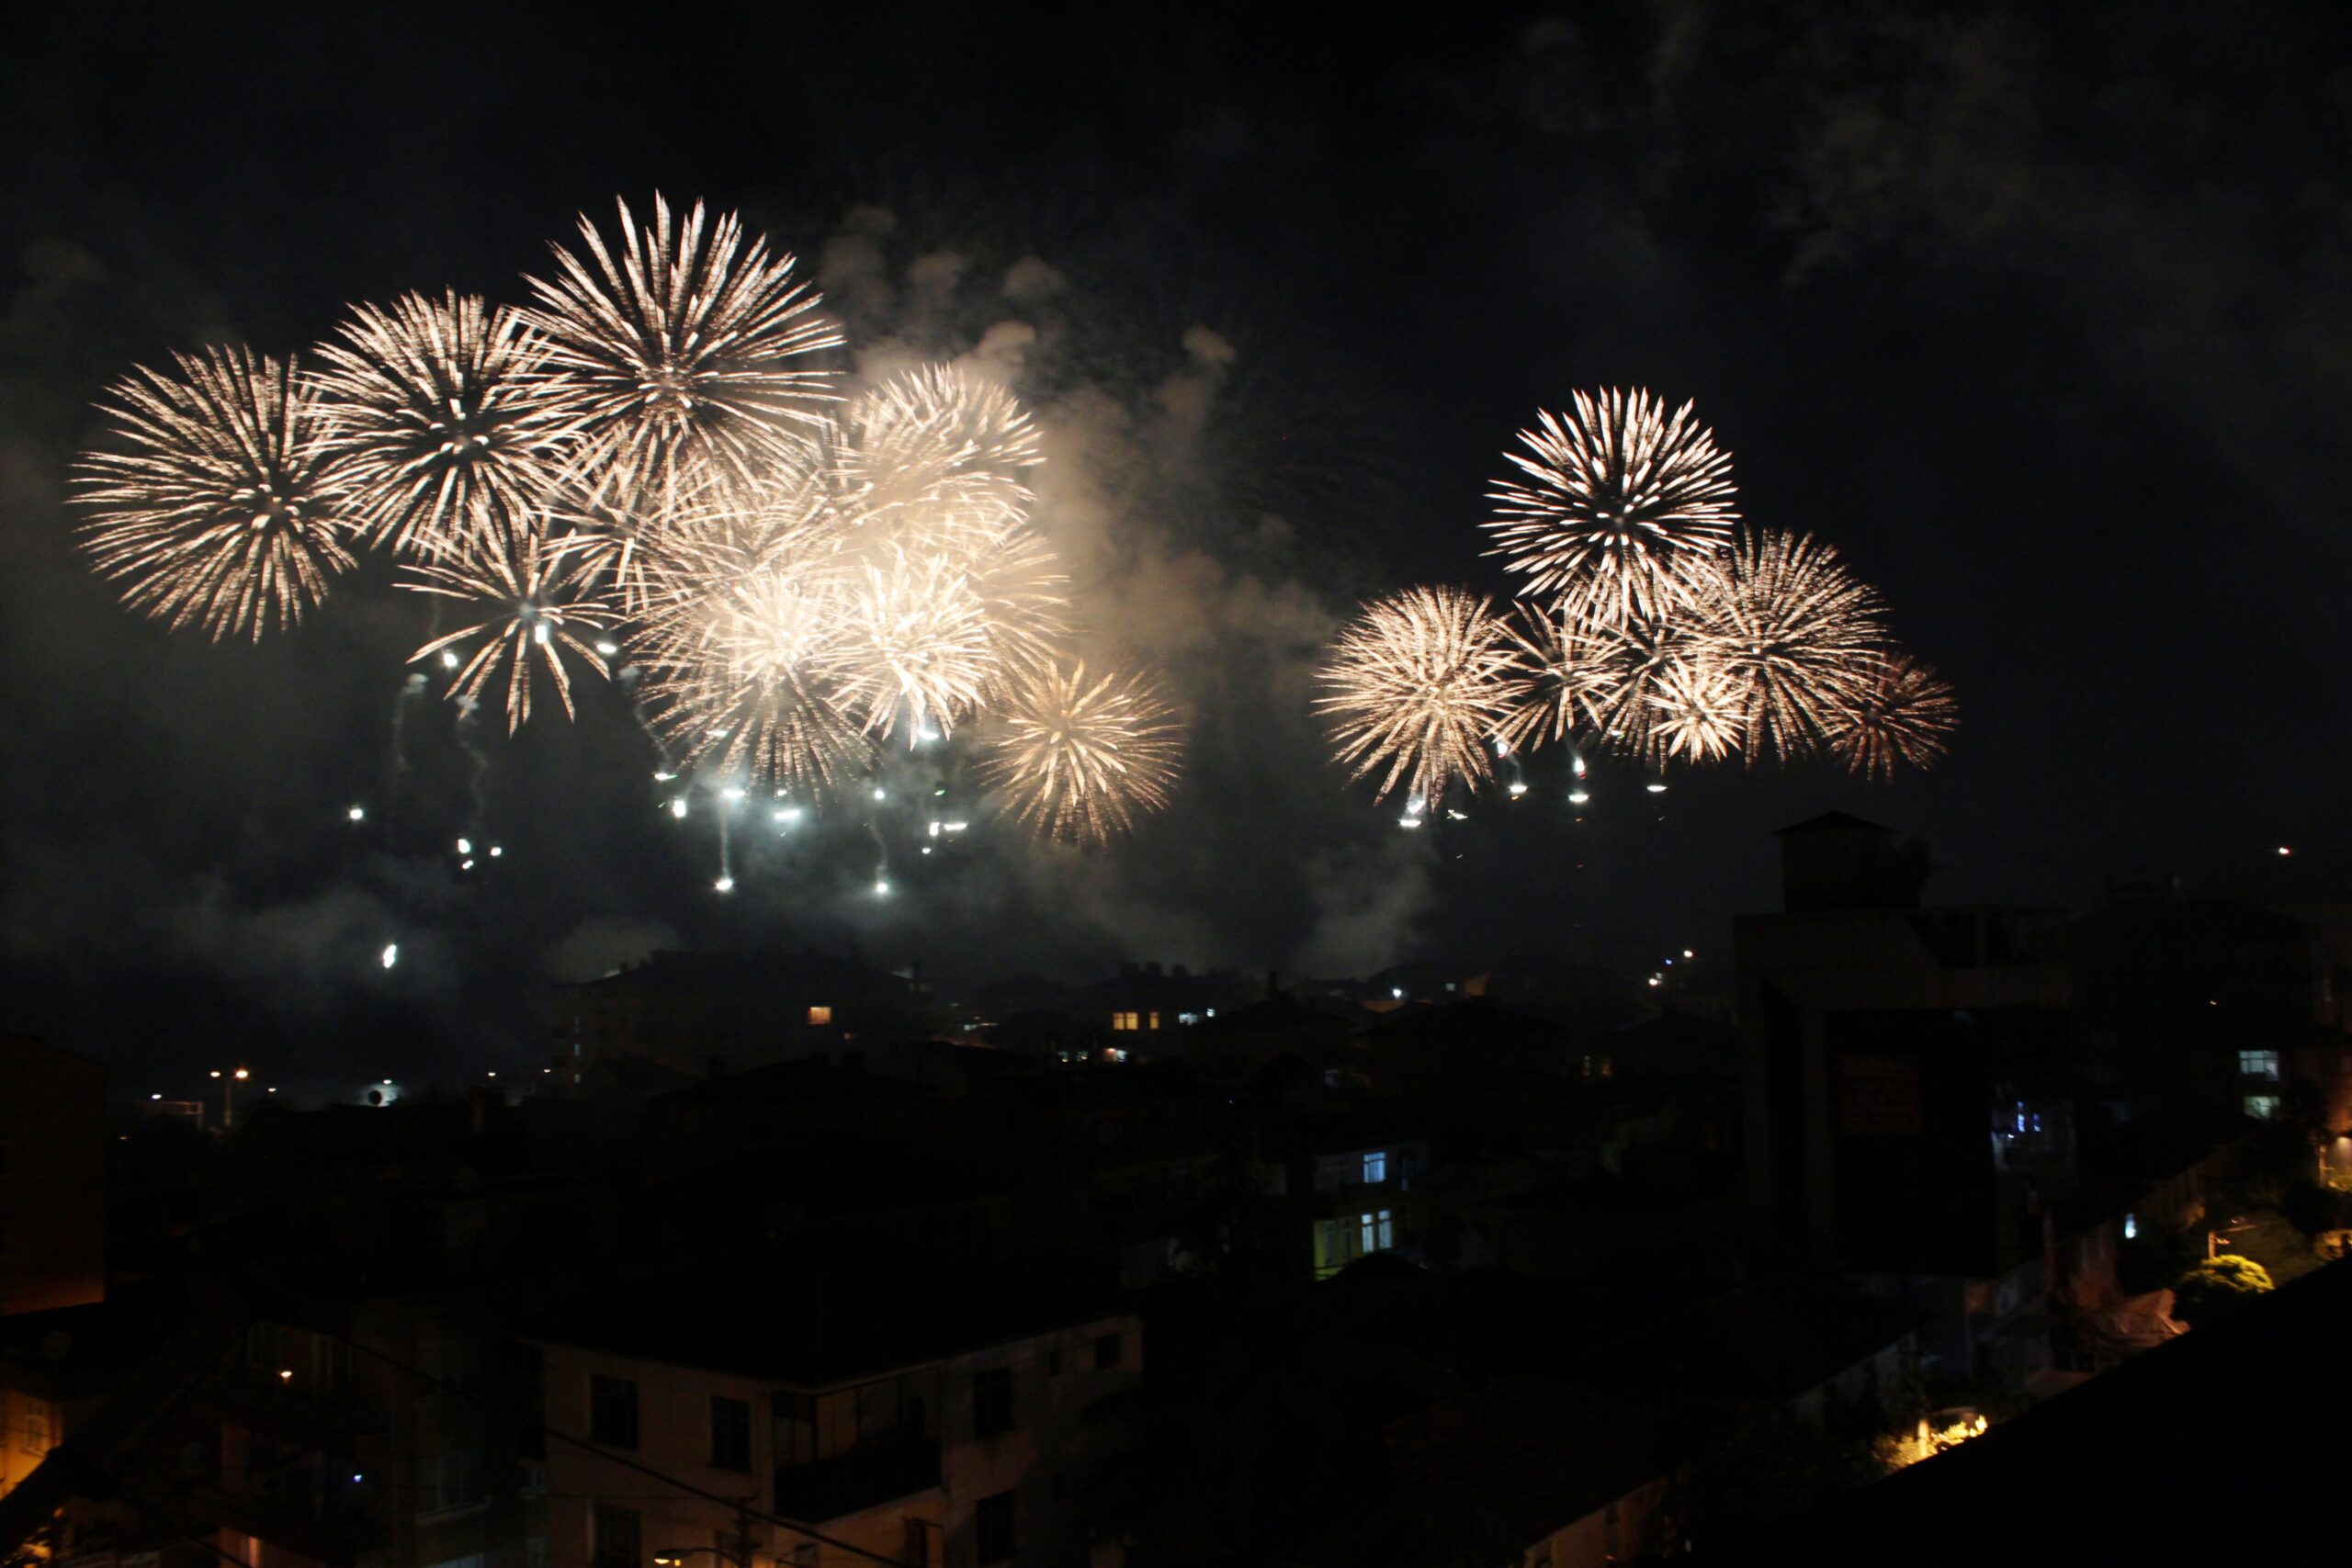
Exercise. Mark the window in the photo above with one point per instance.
(1123, 1019)
(1155, 1021)
(1106, 1352)
(1379, 1234)
(612, 1412)
(730, 1434)
(451, 1479)
(36, 1426)
(616, 1537)
(2258, 1065)
(819, 1016)
(1599, 1065)
(992, 1401)
(2262, 1106)
(992, 1527)
(1376, 1167)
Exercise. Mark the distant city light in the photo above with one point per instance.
(154, 1096)
(496, 850)
(391, 954)
(2285, 851)
(358, 814)
(1687, 953)
(1397, 992)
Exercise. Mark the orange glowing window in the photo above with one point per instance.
(1125, 1019)
(819, 1016)
(1155, 1021)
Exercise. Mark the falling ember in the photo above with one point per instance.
(542, 603)
(392, 954)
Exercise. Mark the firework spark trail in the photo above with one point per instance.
(434, 415)
(1616, 500)
(542, 600)
(1899, 714)
(915, 648)
(1078, 757)
(1795, 633)
(1418, 682)
(686, 341)
(1568, 677)
(222, 512)
(478, 774)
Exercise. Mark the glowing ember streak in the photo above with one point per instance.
(1616, 500)
(915, 645)
(432, 412)
(686, 342)
(225, 513)
(1080, 757)
(1417, 683)
(545, 603)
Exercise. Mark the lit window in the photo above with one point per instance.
(1123, 1019)
(819, 1017)
(1155, 1021)
(1376, 1167)
(1379, 1232)
(2258, 1065)
(1188, 1017)
(2131, 1227)
(2262, 1106)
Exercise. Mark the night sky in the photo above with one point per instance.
(2043, 315)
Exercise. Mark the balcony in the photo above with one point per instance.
(850, 1482)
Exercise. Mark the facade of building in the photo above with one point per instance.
(693, 1011)
(52, 1176)
(947, 1461)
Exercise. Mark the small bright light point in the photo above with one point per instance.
(1687, 953)
(881, 887)
(725, 885)
(284, 1375)
(733, 791)
(934, 830)
(678, 807)
(465, 865)
(465, 846)
(391, 954)
(243, 1075)
(273, 1088)
(926, 849)
(663, 777)
(1579, 796)
(388, 1083)
(1502, 747)
(1669, 961)
(539, 634)
(2285, 851)
(879, 793)
(1517, 790)
(608, 649)
(216, 1072)
(954, 827)
(1653, 979)
(1397, 992)
(496, 850)
(1656, 786)
(1408, 821)
(1457, 815)
(1579, 767)
(154, 1096)
(448, 660)
(358, 814)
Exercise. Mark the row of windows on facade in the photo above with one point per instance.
(612, 1412)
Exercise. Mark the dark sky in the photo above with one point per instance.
(2040, 313)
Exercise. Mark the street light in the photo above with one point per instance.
(229, 1082)
(675, 1557)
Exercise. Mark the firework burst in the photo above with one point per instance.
(934, 458)
(544, 604)
(1417, 684)
(432, 412)
(740, 685)
(1794, 630)
(1897, 715)
(1615, 502)
(914, 647)
(1568, 676)
(1079, 756)
(222, 512)
(686, 341)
